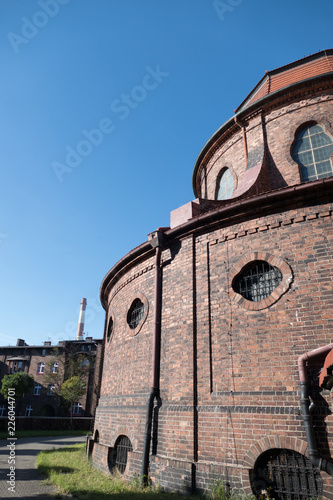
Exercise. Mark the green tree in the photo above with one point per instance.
(70, 363)
(72, 391)
(20, 382)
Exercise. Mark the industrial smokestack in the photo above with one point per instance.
(80, 326)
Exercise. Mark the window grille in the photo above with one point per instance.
(225, 185)
(312, 151)
(117, 456)
(257, 281)
(135, 314)
(2, 410)
(286, 475)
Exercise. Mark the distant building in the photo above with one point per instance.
(41, 360)
(213, 325)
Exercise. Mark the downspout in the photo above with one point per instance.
(156, 240)
(243, 135)
(307, 407)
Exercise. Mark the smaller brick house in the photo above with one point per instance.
(41, 362)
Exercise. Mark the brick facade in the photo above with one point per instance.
(228, 378)
(43, 402)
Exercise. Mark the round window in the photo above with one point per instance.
(135, 314)
(257, 281)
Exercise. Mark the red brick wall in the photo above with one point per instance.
(279, 126)
(228, 376)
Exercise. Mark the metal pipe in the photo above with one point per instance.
(307, 408)
(155, 239)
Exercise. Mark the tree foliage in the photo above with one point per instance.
(20, 382)
(73, 389)
(70, 364)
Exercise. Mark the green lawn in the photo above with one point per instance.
(69, 469)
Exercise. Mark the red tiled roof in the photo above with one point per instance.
(311, 66)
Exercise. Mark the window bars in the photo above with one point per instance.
(118, 455)
(287, 475)
(257, 281)
(135, 314)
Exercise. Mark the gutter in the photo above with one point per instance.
(228, 213)
(308, 406)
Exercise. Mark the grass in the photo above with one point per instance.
(23, 434)
(69, 470)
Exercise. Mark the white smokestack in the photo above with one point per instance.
(80, 326)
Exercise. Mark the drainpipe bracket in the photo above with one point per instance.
(157, 238)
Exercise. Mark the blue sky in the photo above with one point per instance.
(104, 108)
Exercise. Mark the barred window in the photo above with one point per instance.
(135, 314)
(312, 151)
(117, 456)
(225, 185)
(286, 474)
(257, 280)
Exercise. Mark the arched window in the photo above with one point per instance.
(312, 151)
(117, 456)
(225, 185)
(285, 474)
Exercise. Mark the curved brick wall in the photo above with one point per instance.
(229, 388)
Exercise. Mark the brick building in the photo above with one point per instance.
(212, 325)
(41, 360)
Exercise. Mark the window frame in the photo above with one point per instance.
(51, 389)
(55, 367)
(299, 130)
(28, 411)
(281, 289)
(220, 175)
(37, 386)
(41, 368)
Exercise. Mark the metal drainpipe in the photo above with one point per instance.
(156, 240)
(307, 408)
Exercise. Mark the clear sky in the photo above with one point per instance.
(104, 108)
